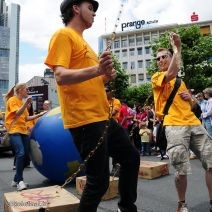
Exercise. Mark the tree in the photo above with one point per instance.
(196, 56)
(139, 95)
(121, 82)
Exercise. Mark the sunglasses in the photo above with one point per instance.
(163, 57)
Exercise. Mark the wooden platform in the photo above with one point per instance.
(110, 193)
(151, 169)
(51, 199)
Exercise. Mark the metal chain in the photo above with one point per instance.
(92, 152)
(113, 34)
(101, 139)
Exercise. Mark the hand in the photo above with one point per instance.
(112, 75)
(175, 40)
(185, 96)
(29, 100)
(106, 64)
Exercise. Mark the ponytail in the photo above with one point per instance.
(10, 93)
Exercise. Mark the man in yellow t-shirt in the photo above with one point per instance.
(183, 128)
(80, 77)
(114, 104)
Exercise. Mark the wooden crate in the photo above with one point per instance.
(51, 199)
(151, 169)
(111, 192)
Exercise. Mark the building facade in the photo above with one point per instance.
(9, 47)
(133, 50)
(47, 82)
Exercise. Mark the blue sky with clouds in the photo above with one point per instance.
(41, 18)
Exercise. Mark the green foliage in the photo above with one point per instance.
(121, 82)
(196, 51)
(139, 95)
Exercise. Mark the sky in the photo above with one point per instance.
(41, 18)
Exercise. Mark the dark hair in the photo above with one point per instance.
(67, 15)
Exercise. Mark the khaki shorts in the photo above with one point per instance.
(182, 138)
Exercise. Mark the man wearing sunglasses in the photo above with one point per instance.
(183, 129)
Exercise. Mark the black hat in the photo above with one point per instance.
(65, 3)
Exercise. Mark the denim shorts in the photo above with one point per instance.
(182, 138)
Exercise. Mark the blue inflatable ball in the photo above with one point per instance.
(52, 149)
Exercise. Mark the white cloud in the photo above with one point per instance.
(40, 18)
(27, 71)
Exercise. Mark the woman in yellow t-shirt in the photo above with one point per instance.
(16, 117)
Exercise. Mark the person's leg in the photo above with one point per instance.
(25, 139)
(202, 147)
(17, 145)
(97, 167)
(208, 179)
(128, 157)
(181, 186)
(178, 140)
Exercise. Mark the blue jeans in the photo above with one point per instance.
(208, 126)
(117, 145)
(20, 145)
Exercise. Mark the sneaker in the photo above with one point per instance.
(14, 184)
(118, 210)
(21, 186)
(182, 207)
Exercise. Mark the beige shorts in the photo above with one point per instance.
(182, 138)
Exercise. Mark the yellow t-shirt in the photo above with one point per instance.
(20, 125)
(115, 104)
(179, 113)
(81, 103)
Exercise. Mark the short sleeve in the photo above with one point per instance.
(60, 49)
(158, 79)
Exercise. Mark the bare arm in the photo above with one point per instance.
(23, 107)
(173, 69)
(66, 76)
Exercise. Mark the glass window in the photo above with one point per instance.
(148, 77)
(155, 36)
(140, 64)
(141, 77)
(147, 50)
(132, 52)
(116, 44)
(147, 63)
(132, 65)
(139, 51)
(131, 41)
(124, 42)
(146, 39)
(125, 65)
(4, 53)
(133, 78)
(117, 53)
(139, 40)
(124, 53)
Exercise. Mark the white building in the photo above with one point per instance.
(133, 47)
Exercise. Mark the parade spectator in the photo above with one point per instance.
(46, 105)
(146, 136)
(207, 114)
(183, 129)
